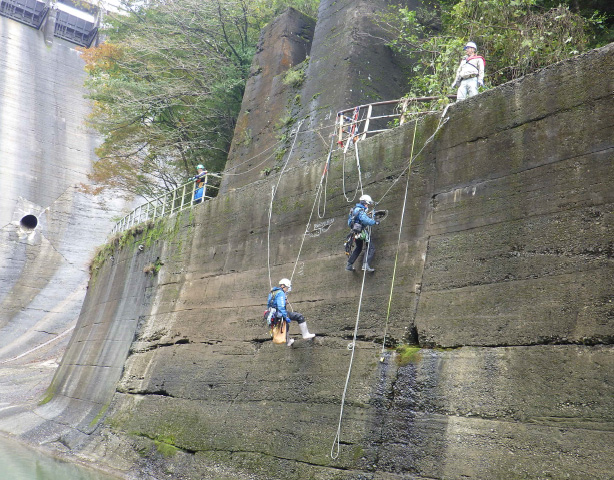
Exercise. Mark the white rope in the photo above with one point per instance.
(396, 258)
(315, 201)
(358, 167)
(359, 170)
(267, 149)
(268, 238)
(273, 192)
(442, 122)
(334, 451)
(325, 177)
(343, 182)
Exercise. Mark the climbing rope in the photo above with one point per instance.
(359, 182)
(334, 451)
(442, 122)
(358, 167)
(316, 201)
(396, 257)
(273, 192)
(325, 177)
(272, 154)
(343, 182)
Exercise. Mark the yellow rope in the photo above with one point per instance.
(396, 258)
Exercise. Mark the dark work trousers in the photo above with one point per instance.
(358, 249)
(296, 317)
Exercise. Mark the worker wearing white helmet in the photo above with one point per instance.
(358, 221)
(470, 73)
(200, 180)
(277, 300)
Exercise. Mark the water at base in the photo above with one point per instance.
(21, 463)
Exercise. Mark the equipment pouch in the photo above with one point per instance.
(357, 227)
(269, 315)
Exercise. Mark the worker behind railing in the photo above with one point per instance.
(200, 181)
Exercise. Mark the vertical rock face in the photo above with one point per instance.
(283, 45)
(505, 265)
(48, 229)
(349, 64)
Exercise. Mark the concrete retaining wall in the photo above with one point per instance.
(505, 267)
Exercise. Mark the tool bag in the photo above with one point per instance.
(280, 331)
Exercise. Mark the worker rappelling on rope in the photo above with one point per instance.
(359, 221)
(279, 318)
(470, 73)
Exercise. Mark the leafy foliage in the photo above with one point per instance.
(167, 86)
(516, 37)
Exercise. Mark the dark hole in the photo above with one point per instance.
(29, 221)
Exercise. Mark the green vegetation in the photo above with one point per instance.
(407, 354)
(515, 37)
(165, 445)
(102, 411)
(49, 393)
(167, 86)
(295, 76)
(153, 268)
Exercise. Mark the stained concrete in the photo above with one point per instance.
(504, 279)
(344, 62)
(46, 152)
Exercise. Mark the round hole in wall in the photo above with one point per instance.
(29, 222)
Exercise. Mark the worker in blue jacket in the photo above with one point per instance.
(358, 221)
(277, 300)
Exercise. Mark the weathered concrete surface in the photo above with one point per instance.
(505, 265)
(45, 154)
(284, 44)
(348, 64)
(505, 255)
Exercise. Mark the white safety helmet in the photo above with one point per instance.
(470, 45)
(367, 199)
(284, 282)
(200, 167)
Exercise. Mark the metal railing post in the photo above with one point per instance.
(403, 110)
(182, 199)
(366, 128)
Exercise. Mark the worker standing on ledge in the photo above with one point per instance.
(201, 180)
(470, 73)
(277, 300)
(358, 221)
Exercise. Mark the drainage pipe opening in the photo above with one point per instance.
(29, 222)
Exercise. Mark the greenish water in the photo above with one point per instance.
(21, 463)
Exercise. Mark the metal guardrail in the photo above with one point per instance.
(350, 130)
(376, 119)
(184, 196)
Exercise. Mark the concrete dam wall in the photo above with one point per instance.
(502, 312)
(48, 227)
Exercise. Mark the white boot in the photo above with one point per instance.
(304, 331)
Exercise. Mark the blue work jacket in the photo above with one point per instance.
(277, 300)
(360, 213)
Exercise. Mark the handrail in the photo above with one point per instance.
(169, 203)
(357, 127)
